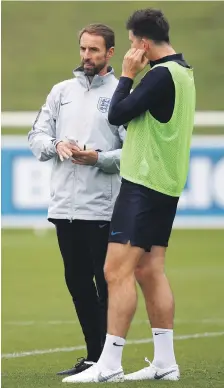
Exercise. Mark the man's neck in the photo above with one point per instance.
(159, 52)
(103, 71)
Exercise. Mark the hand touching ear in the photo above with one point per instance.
(134, 62)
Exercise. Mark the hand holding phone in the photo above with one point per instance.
(72, 141)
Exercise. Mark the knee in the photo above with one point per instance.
(148, 273)
(120, 263)
(111, 273)
(141, 273)
(70, 284)
(116, 271)
(77, 285)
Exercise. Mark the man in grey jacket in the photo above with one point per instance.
(73, 130)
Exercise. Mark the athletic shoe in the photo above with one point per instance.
(81, 365)
(151, 372)
(95, 375)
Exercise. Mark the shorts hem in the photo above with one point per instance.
(146, 247)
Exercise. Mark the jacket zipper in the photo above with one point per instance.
(88, 86)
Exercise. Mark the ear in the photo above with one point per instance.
(110, 53)
(146, 44)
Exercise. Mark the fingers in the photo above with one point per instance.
(133, 52)
(75, 148)
(140, 59)
(136, 57)
(76, 154)
(79, 161)
(62, 155)
(82, 153)
(88, 157)
(64, 152)
(80, 157)
(129, 52)
(139, 54)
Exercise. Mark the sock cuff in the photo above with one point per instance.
(115, 338)
(156, 329)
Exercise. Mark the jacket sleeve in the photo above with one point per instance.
(42, 137)
(109, 161)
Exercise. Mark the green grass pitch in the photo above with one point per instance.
(37, 313)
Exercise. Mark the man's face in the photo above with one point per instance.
(93, 53)
(136, 42)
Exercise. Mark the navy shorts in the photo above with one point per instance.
(142, 216)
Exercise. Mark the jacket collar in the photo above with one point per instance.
(97, 80)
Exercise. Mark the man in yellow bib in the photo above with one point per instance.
(154, 165)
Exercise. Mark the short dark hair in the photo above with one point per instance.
(101, 30)
(149, 23)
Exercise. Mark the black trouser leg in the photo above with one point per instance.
(99, 245)
(77, 246)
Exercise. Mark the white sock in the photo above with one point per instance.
(111, 355)
(164, 356)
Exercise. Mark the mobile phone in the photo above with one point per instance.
(72, 141)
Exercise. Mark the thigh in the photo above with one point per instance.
(121, 260)
(99, 242)
(153, 260)
(99, 233)
(74, 246)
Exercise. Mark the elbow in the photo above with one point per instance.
(114, 119)
(30, 137)
(116, 116)
(43, 155)
(42, 158)
(39, 153)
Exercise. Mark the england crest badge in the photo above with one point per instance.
(103, 104)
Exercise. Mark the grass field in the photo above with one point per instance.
(40, 45)
(37, 312)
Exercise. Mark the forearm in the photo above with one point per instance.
(119, 110)
(125, 106)
(42, 145)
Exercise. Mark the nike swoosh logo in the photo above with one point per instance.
(114, 233)
(163, 332)
(114, 343)
(159, 377)
(102, 226)
(65, 103)
(101, 378)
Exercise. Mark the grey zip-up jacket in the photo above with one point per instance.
(79, 110)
